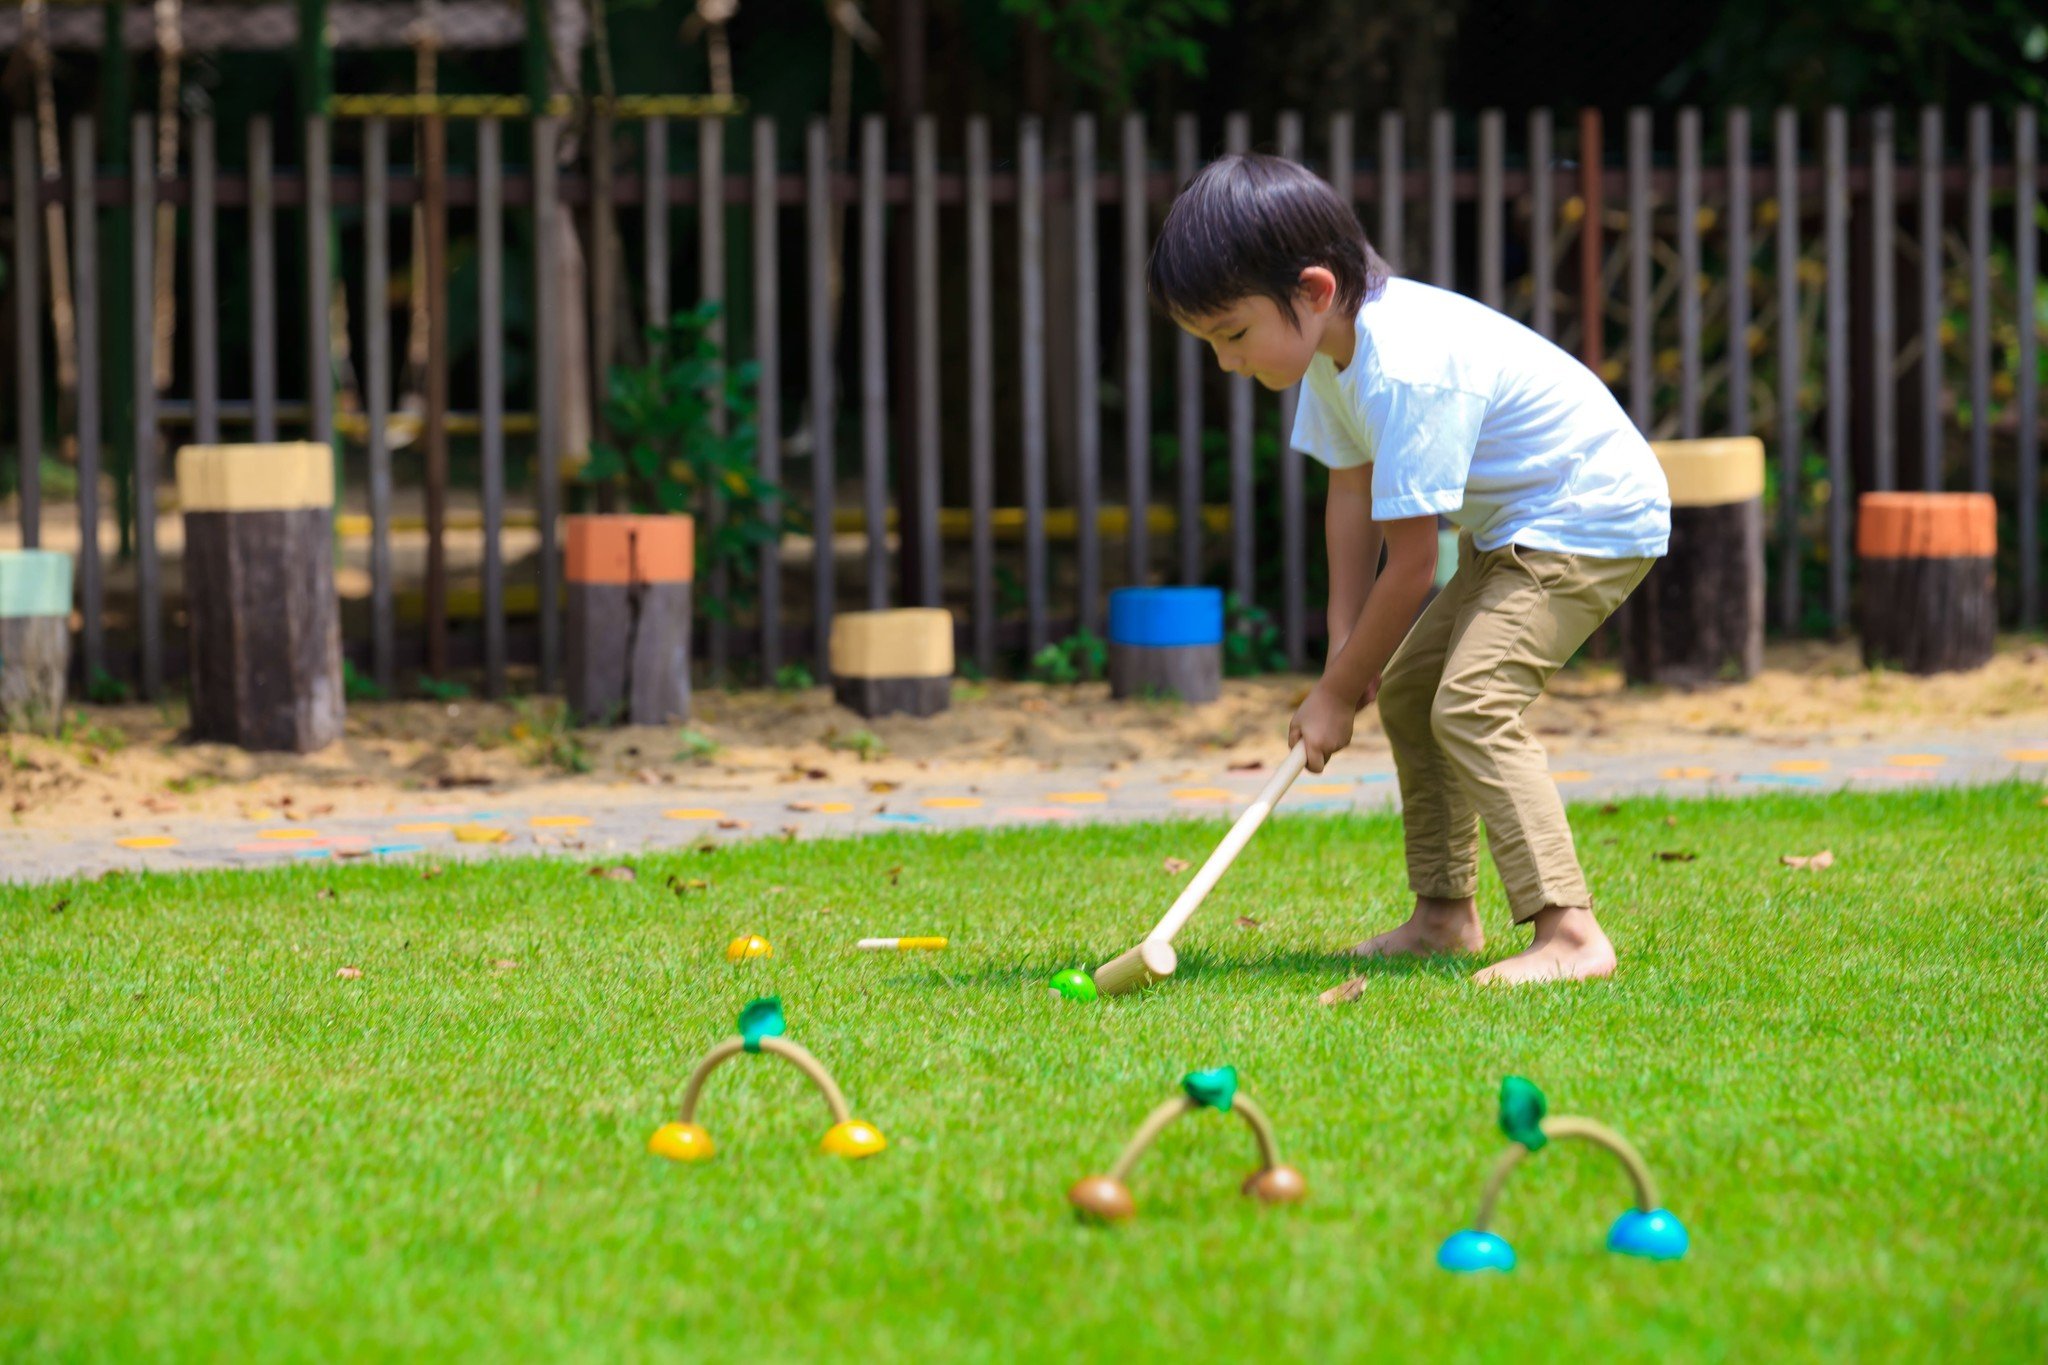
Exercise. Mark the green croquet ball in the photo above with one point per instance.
(1073, 984)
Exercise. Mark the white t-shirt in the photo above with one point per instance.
(1464, 412)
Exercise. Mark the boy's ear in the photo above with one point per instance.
(1318, 287)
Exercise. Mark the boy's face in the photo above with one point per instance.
(1253, 337)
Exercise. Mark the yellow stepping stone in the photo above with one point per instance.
(694, 813)
(1204, 794)
(1078, 798)
(1916, 760)
(1800, 765)
(148, 841)
(1685, 774)
(1329, 789)
(559, 821)
(952, 803)
(835, 807)
(2027, 755)
(482, 834)
(424, 827)
(1572, 775)
(293, 834)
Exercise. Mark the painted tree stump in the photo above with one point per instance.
(1647, 1230)
(629, 618)
(1166, 642)
(1928, 587)
(259, 594)
(1699, 615)
(35, 638)
(1107, 1198)
(884, 662)
(761, 1030)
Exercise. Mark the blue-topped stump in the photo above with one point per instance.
(35, 638)
(1166, 642)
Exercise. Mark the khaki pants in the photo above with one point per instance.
(1451, 700)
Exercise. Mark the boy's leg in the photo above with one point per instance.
(1439, 826)
(1527, 613)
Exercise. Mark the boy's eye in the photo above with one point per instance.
(1238, 335)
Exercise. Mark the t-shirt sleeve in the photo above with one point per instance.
(1426, 436)
(1318, 435)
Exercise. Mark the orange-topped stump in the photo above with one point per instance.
(1928, 589)
(629, 618)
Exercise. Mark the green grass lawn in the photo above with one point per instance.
(215, 1147)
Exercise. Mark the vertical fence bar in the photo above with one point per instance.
(2026, 263)
(1392, 188)
(654, 219)
(205, 288)
(1738, 272)
(1791, 431)
(85, 257)
(1492, 152)
(1835, 177)
(1237, 137)
(320, 285)
(1293, 529)
(823, 381)
(547, 402)
(1187, 370)
(1542, 226)
(981, 378)
(262, 282)
(1884, 437)
(1641, 377)
(711, 288)
(1031, 367)
(1137, 355)
(1442, 204)
(1343, 156)
(925, 283)
(1931, 473)
(768, 404)
(1592, 297)
(1087, 379)
(1980, 298)
(490, 236)
(1689, 273)
(377, 393)
(874, 373)
(141, 277)
(28, 331)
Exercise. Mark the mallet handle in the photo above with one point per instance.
(1192, 895)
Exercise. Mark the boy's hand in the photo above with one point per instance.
(1322, 726)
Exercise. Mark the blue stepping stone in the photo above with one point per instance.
(1468, 1252)
(382, 849)
(1656, 1235)
(904, 819)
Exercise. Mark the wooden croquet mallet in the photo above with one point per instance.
(1154, 959)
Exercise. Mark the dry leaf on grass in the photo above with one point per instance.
(1338, 995)
(895, 874)
(59, 907)
(788, 833)
(505, 964)
(1671, 822)
(621, 873)
(729, 823)
(325, 893)
(882, 788)
(1247, 922)
(680, 885)
(1176, 866)
(428, 874)
(1676, 856)
(349, 973)
(1814, 863)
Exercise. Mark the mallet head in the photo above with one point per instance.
(1150, 961)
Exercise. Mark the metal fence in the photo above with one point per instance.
(1871, 308)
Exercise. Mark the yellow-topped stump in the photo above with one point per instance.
(889, 661)
(1699, 616)
(259, 588)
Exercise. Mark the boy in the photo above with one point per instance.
(1425, 403)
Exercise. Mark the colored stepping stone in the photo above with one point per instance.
(1210, 794)
(1800, 765)
(1686, 774)
(259, 548)
(1699, 615)
(1572, 775)
(2027, 755)
(628, 637)
(147, 841)
(952, 803)
(482, 834)
(288, 835)
(694, 813)
(884, 662)
(424, 827)
(559, 821)
(1077, 798)
(35, 638)
(1326, 789)
(1928, 594)
(1166, 642)
(902, 818)
(1916, 760)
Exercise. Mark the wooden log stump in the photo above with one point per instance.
(1699, 615)
(259, 593)
(1166, 642)
(884, 662)
(1927, 584)
(629, 618)
(35, 638)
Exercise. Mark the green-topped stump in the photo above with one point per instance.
(35, 638)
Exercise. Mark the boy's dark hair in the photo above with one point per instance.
(1250, 224)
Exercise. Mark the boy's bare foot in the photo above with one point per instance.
(1436, 927)
(1569, 946)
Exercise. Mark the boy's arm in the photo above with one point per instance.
(1354, 543)
(1325, 720)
